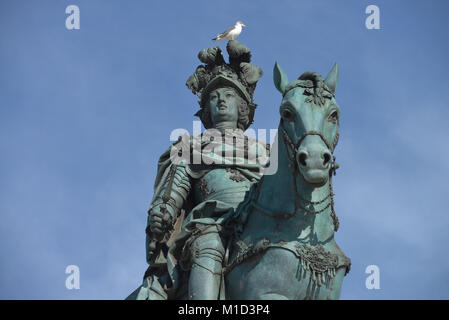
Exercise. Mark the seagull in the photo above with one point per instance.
(231, 33)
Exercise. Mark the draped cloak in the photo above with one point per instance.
(242, 153)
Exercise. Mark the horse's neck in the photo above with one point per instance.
(281, 194)
(277, 191)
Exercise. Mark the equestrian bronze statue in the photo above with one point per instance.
(221, 225)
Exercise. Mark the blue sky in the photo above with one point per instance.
(85, 114)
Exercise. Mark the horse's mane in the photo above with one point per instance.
(318, 85)
(314, 85)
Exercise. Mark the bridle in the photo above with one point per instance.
(292, 149)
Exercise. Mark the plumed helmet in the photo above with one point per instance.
(239, 74)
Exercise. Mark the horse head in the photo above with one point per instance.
(309, 122)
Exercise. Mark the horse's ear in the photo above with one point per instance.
(280, 78)
(332, 78)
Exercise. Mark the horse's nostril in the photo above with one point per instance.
(326, 158)
(302, 158)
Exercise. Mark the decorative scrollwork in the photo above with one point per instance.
(321, 263)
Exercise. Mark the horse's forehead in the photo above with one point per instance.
(298, 99)
(296, 95)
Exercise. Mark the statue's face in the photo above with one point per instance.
(223, 105)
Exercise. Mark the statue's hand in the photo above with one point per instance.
(160, 220)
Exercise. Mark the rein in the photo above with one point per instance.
(264, 244)
(311, 133)
(292, 149)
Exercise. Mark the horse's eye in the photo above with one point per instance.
(333, 117)
(287, 115)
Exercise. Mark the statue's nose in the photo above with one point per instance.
(302, 157)
(314, 157)
(326, 156)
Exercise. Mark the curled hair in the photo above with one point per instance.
(318, 84)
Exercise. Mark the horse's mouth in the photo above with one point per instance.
(315, 177)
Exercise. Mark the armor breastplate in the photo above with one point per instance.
(224, 184)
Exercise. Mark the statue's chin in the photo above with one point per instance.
(315, 177)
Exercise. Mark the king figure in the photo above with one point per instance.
(201, 180)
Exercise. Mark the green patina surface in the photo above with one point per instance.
(222, 229)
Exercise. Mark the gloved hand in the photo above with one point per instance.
(160, 220)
